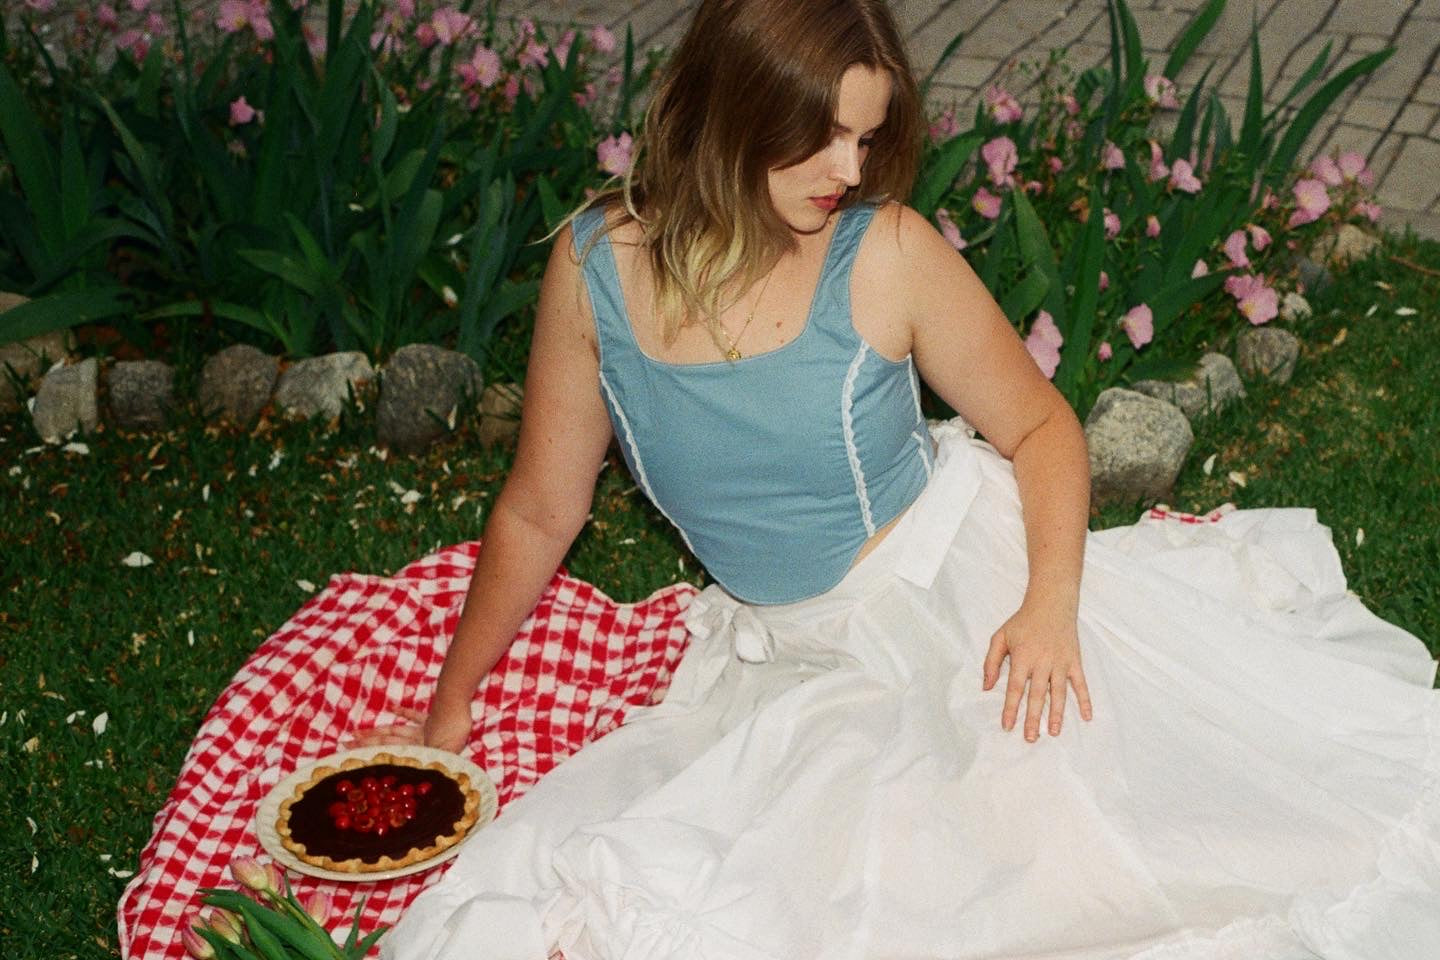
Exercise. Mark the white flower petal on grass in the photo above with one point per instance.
(106, 857)
(458, 502)
(100, 722)
(34, 863)
(137, 559)
(1340, 337)
(305, 585)
(396, 489)
(411, 496)
(275, 459)
(1359, 536)
(76, 447)
(190, 638)
(33, 828)
(15, 471)
(1384, 286)
(121, 874)
(205, 493)
(32, 745)
(1406, 312)
(450, 419)
(1371, 312)
(1209, 464)
(628, 542)
(75, 715)
(1237, 478)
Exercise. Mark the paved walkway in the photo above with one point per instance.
(1393, 117)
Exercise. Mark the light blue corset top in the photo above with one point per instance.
(778, 467)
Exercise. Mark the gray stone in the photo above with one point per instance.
(1345, 246)
(1267, 352)
(66, 401)
(142, 394)
(1314, 278)
(422, 388)
(1137, 446)
(1214, 384)
(322, 385)
(23, 361)
(235, 384)
(500, 412)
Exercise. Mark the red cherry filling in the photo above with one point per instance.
(375, 806)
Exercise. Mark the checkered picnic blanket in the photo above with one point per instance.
(360, 648)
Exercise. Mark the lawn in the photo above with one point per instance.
(240, 527)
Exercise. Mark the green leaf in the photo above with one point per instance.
(1253, 125)
(32, 158)
(292, 272)
(1185, 126)
(1311, 74)
(1310, 114)
(1036, 251)
(1194, 34)
(550, 204)
(1075, 351)
(60, 311)
(945, 56)
(938, 176)
(1024, 297)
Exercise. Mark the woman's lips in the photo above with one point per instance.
(828, 202)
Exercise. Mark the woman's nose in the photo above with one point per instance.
(846, 163)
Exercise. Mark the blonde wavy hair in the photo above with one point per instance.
(753, 86)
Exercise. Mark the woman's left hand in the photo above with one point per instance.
(1044, 650)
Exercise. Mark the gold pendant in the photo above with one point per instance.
(732, 354)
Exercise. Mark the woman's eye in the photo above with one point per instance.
(868, 142)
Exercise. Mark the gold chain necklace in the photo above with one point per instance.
(732, 353)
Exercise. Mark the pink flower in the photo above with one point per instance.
(1044, 344)
(534, 54)
(511, 90)
(139, 6)
(1257, 301)
(241, 112)
(233, 17)
(944, 127)
(198, 946)
(1152, 226)
(616, 154)
(1270, 201)
(986, 204)
(1161, 91)
(562, 49)
(1235, 249)
(1104, 281)
(319, 905)
(251, 874)
(1112, 159)
(425, 35)
(1071, 105)
(482, 69)
(1106, 351)
(155, 25)
(602, 39)
(1074, 129)
(583, 98)
(1055, 164)
(1182, 177)
(1002, 105)
(1158, 170)
(1352, 167)
(948, 230)
(106, 17)
(1201, 269)
(1312, 200)
(40, 6)
(1327, 171)
(260, 20)
(1259, 237)
(1368, 210)
(135, 43)
(1001, 157)
(405, 9)
(449, 25)
(1112, 224)
(1139, 325)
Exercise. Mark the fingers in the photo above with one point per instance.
(993, 658)
(1057, 702)
(1035, 705)
(410, 714)
(393, 734)
(1082, 691)
(1014, 690)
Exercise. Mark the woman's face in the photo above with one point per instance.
(805, 194)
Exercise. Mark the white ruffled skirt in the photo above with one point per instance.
(827, 779)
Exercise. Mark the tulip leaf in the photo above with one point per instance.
(58, 311)
(1185, 126)
(1311, 74)
(941, 172)
(1089, 260)
(1198, 29)
(1253, 124)
(1314, 109)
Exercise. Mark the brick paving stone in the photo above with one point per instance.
(1398, 76)
(1415, 118)
(1429, 90)
(1410, 183)
(962, 71)
(1377, 17)
(1159, 29)
(1372, 113)
(1009, 26)
(1344, 138)
(1427, 9)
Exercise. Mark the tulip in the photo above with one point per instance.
(1139, 325)
(319, 905)
(616, 155)
(986, 204)
(197, 945)
(948, 230)
(251, 874)
(241, 112)
(225, 924)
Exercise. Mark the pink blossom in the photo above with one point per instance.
(106, 17)
(1158, 169)
(1327, 171)
(583, 98)
(1111, 158)
(482, 69)
(986, 204)
(135, 43)
(1071, 104)
(562, 49)
(196, 945)
(1152, 226)
(948, 230)
(1055, 164)
(241, 112)
(1182, 177)
(1034, 186)
(1044, 344)
(319, 905)
(1001, 157)
(1161, 91)
(616, 154)
(1106, 351)
(425, 35)
(944, 127)
(1270, 201)
(534, 54)
(1201, 269)
(1112, 224)
(602, 39)
(233, 17)
(1368, 210)
(1002, 105)
(613, 76)
(1104, 281)
(1139, 325)
(405, 9)
(527, 30)
(1352, 167)
(155, 25)
(139, 6)
(511, 90)
(1074, 129)
(260, 20)
(40, 6)
(1235, 249)
(1312, 200)
(449, 25)
(1259, 237)
(315, 41)
(1257, 301)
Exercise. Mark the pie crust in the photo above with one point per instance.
(307, 837)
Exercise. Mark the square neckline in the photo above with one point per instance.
(825, 267)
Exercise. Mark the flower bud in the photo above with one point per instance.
(225, 924)
(250, 873)
(198, 946)
(318, 904)
(275, 879)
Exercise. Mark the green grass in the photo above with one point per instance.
(1354, 436)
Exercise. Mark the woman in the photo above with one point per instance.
(826, 777)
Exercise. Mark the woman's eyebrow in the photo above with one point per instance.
(844, 129)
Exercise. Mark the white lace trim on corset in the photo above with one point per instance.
(640, 476)
(847, 404)
(924, 446)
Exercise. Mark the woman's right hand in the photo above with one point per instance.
(442, 729)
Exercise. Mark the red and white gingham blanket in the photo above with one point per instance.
(360, 648)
